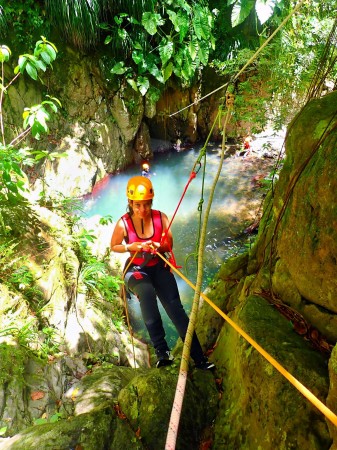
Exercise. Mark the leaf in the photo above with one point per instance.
(119, 68)
(200, 24)
(167, 71)
(241, 11)
(41, 65)
(133, 84)
(264, 9)
(151, 21)
(3, 431)
(37, 395)
(40, 421)
(203, 52)
(122, 34)
(51, 50)
(137, 56)
(4, 53)
(22, 63)
(31, 70)
(46, 57)
(193, 48)
(143, 84)
(166, 51)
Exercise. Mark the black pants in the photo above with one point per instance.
(157, 281)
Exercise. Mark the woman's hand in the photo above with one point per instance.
(135, 247)
(149, 246)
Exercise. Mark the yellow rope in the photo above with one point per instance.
(297, 384)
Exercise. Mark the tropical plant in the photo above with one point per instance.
(94, 276)
(292, 55)
(13, 157)
(150, 40)
(174, 37)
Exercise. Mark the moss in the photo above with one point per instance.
(12, 362)
(91, 431)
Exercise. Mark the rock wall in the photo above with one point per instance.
(103, 128)
(283, 294)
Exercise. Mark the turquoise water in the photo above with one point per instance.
(228, 219)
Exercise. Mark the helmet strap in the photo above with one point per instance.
(142, 224)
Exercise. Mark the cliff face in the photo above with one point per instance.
(283, 294)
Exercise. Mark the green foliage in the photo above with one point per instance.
(44, 54)
(31, 341)
(77, 20)
(176, 39)
(52, 419)
(23, 21)
(9, 259)
(12, 364)
(13, 158)
(94, 278)
(261, 92)
(106, 220)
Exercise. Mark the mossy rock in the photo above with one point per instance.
(260, 408)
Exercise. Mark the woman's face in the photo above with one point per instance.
(141, 208)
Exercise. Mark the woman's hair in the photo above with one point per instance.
(129, 208)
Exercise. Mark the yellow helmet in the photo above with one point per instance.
(146, 166)
(139, 188)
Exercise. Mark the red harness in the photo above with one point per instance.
(132, 235)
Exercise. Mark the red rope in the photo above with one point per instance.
(164, 236)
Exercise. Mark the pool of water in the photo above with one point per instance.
(235, 206)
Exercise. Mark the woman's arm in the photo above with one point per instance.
(118, 237)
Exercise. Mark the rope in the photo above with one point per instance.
(193, 174)
(297, 384)
(201, 201)
(297, 7)
(182, 377)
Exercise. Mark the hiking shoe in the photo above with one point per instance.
(164, 359)
(205, 365)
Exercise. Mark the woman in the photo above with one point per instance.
(139, 232)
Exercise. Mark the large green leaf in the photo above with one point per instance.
(201, 23)
(137, 56)
(193, 48)
(180, 22)
(119, 68)
(31, 70)
(143, 84)
(241, 11)
(151, 21)
(203, 52)
(167, 71)
(166, 51)
(264, 9)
